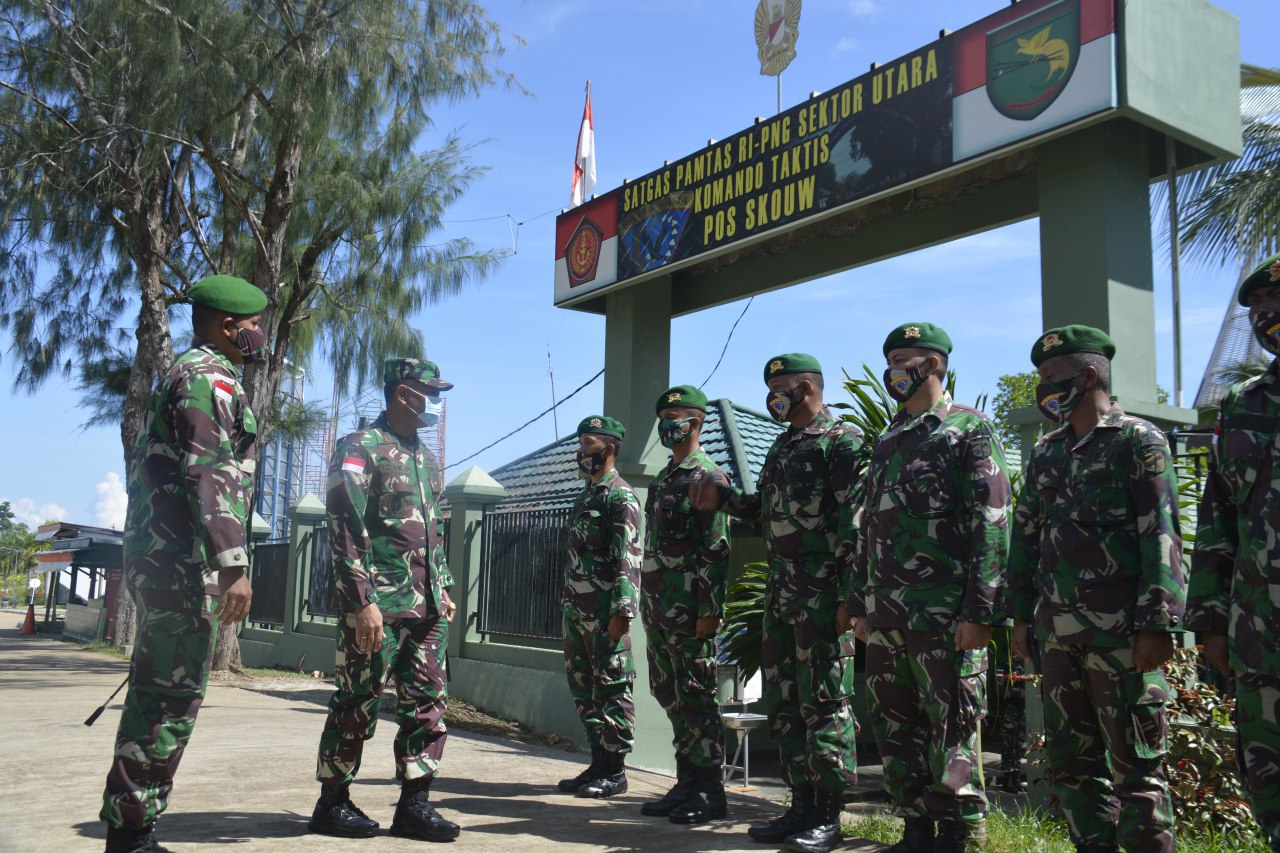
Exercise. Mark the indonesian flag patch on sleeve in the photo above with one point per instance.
(354, 464)
(223, 390)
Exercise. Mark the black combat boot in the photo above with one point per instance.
(821, 833)
(124, 839)
(1096, 847)
(707, 802)
(917, 836)
(610, 780)
(796, 816)
(571, 786)
(955, 836)
(415, 817)
(335, 814)
(679, 794)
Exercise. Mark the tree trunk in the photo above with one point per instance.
(226, 651)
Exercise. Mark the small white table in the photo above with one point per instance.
(741, 723)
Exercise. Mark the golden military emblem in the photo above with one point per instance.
(775, 365)
(777, 27)
(595, 422)
(1051, 341)
(673, 397)
(911, 332)
(1274, 271)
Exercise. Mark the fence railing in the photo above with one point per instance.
(522, 572)
(268, 577)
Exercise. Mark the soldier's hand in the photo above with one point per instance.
(619, 625)
(859, 627)
(1151, 649)
(706, 626)
(843, 622)
(234, 595)
(1217, 652)
(971, 636)
(450, 609)
(1020, 640)
(706, 494)
(368, 629)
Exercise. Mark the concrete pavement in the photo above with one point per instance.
(248, 775)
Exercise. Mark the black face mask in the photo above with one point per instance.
(902, 384)
(1058, 399)
(590, 463)
(780, 403)
(1266, 328)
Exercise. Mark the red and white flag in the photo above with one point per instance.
(584, 162)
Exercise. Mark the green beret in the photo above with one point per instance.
(790, 362)
(1268, 272)
(682, 396)
(923, 335)
(426, 372)
(228, 293)
(602, 425)
(1068, 339)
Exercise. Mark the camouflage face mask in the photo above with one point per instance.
(252, 343)
(671, 433)
(780, 403)
(1058, 399)
(1266, 328)
(589, 463)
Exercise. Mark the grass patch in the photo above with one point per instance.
(1027, 830)
(102, 647)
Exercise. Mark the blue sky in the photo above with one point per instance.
(667, 75)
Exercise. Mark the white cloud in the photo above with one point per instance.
(864, 8)
(26, 511)
(112, 502)
(848, 44)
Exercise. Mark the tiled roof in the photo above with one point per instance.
(736, 438)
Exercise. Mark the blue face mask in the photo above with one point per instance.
(431, 409)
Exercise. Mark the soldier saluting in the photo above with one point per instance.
(393, 584)
(927, 590)
(599, 604)
(1096, 564)
(810, 487)
(682, 587)
(1234, 587)
(190, 477)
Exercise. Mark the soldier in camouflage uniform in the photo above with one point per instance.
(927, 589)
(1234, 592)
(599, 604)
(1096, 563)
(809, 489)
(682, 587)
(393, 585)
(190, 478)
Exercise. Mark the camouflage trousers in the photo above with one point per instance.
(171, 651)
(1012, 732)
(929, 700)
(1258, 726)
(413, 652)
(600, 674)
(1105, 735)
(682, 677)
(808, 692)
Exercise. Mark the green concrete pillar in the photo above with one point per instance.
(1095, 247)
(304, 517)
(637, 368)
(469, 495)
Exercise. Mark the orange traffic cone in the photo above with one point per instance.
(29, 624)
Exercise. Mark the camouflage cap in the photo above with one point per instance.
(1068, 339)
(681, 396)
(1268, 272)
(421, 370)
(602, 425)
(790, 362)
(228, 293)
(922, 335)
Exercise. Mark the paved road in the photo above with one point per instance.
(247, 777)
